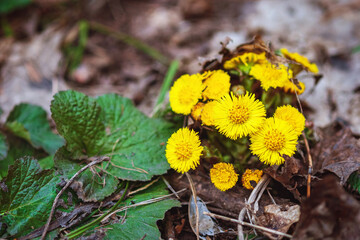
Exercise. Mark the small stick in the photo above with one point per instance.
(248, 224)
(252, 198)
(196, 205)
(96, 161)
(170, 187)
(308, 182)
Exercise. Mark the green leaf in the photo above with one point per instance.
(3, 147)
(78, 120)
(354, 181)
(109, 126)
(91, 185)
(30, 123)
(135, 143)
(9, 5)
(18, 148)
(27, 199)
(142, 218)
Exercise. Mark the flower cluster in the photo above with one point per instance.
(240, 109)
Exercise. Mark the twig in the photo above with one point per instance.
(144, 203)
(261, 184)
(308, 182)
(92, 163)
(248, 224)
(170, 187)
(196, 205)
(271, 197)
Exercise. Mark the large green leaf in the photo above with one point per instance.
(135, 142)
(92, 185)
(78, 120)
(18, 148)
(26, 196)
(109, 126)
(3, 147)
(30, 123)
(142, 218)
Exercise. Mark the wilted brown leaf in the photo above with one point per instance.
(279, 217)
(337, 151)
(330, 213)
(291, 175)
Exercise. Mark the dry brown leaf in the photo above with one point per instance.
(337, 151)
(291, 175)
(329, 213)
(279, 217)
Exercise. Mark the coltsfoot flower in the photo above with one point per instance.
(292, 116)
(207, 115)
(223, 176)
(270, 75)
(237, 117)
(291, 87)
(249, 176)
(300, 59)
(274, 139)
(185, 93)
(245, 59)
(197, 110)
(183, 150)
(217, 84)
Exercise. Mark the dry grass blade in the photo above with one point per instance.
(196, 205)
(248, 224)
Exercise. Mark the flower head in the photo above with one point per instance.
(207, 115)
(223, 176)
(246, 59)
(291, 87)
(292, 116)
(274, 139)
(238, 116)
(185, 93)
(217, 84)
(183, 150)
(249, 176)
(300, 59)
(197, 110)
(270, 75)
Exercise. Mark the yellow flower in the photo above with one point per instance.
(217, 84)
(274, 139)
(223, 176)
(207, 115)
(271, 76)
(245, 59)
(291, 87)
(197, 110)
(238, 116)
(183, 150)
(292, 116)
(249, 176)
(300, 59)
(185, 93)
